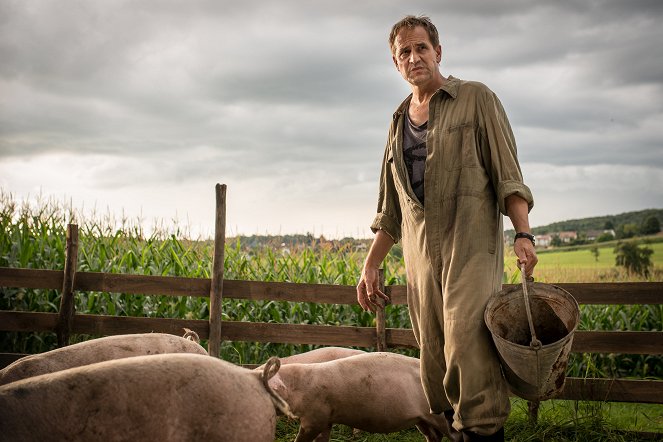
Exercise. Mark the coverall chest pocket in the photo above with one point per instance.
(461, 147)
(399, 184)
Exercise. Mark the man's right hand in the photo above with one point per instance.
(368, 289)
(368, 286)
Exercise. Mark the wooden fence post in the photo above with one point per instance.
(380, 320)
(67, 308)
(216, 289)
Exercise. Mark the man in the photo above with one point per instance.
(449, 173)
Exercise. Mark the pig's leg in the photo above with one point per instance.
(429, 432)
(308, 433)
(434, 427)
(325, 435)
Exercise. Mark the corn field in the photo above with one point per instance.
(33, 236)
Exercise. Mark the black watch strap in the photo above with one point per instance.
(525, 235)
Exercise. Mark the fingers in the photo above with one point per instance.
(526, 256)
(370, 301)
(377, 299)
(363, 296)
(529, 262)
(365, 299)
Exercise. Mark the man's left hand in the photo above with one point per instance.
(526, 254)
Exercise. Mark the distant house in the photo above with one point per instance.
(361, 247)
(546, 240)
(567, 237)
(543, 240)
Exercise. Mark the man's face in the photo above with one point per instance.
(414, 55)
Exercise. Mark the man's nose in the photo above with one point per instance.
(414, 57)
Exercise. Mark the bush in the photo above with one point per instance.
(604, 237)
(634, 258)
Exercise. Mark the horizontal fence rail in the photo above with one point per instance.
(609, 293)
(627, 342)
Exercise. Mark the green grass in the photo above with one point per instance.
(579, 264)
(558, 421)
(584, 258)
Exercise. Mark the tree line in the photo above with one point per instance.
(625, 225)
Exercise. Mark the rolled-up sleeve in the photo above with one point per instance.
(388, 216)
(499, 148)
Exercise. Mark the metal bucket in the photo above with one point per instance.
(535, 369)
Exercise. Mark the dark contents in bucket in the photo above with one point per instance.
(514, 327)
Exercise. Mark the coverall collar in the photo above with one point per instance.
(450, 87)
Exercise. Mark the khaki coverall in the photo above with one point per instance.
(453, 248)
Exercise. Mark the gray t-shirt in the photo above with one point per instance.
(414, 154)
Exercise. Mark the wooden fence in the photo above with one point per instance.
(70, 281)
(620, 390)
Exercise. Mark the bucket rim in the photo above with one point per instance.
(496, 296)
(518, 291)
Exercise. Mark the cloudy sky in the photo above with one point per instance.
(141, 107)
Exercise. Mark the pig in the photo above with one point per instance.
(376, 392)
(167, 397)
(98, 350)
(323, 354)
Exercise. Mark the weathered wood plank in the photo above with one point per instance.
(585, 293)
(143, 284)
(234, 331)
(583, 341)
(231, 330)
(179, 286)
(613, 390)
(31, 278)
(288, 291)
(300, 334)
(616, 292)
(99, 325)
(625, 342)
(28, 321)
(622, 342)
(106, 325)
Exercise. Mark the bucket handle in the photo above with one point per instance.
(535, 343)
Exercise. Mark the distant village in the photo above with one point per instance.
(569, 233)
(637, 224)
(571, 237)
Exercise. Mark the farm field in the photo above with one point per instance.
(580, 264)
(584, 258)
(33, 237)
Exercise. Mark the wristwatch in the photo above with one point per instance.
(525, 235)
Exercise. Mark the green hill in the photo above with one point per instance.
(625, 225)
(623, 222)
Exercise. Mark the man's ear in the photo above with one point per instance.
(393, 58)
(438, 51)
